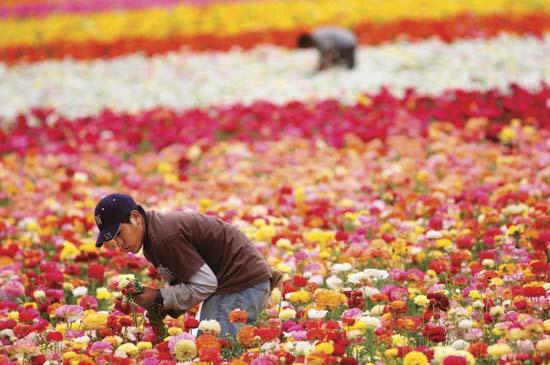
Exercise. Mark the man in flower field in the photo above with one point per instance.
(202, 258)
(336, 46)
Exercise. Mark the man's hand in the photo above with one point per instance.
(147, 298)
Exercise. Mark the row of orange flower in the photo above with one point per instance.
(370, 33)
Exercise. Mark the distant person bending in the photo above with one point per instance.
(336, 46)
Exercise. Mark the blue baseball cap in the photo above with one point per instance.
(109, 213)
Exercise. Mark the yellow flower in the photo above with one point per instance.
(421, 300)
(422, 176)
(544, 345)
(287, 314)
(185, 350)
(94, 320)
(399, 340)
(172, 331)
(329, 299)
(144, 345)
(474, 294)
(128, 348)
(69, 251)
(69, 355)
(204, 204)
(391, 352)
(319, 236)
(498, 350)
(265, 233)
(283, 244)
(103, 293)
(415, 358)
(518, 334)
(284, 268)
(443, 243)
(300, 296)
(507, 135)
(113, 340)
(325, 347)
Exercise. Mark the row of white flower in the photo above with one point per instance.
(182, 80)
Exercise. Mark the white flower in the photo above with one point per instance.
(371, 321)
(377, 310)
(210, 326)
(370, 290)
(460, 345)
(39, 294)
(269, 346)
(8, 332)
(430, 67)
(80, 291)
(465, 324)
(316, 314)
(434, 235)
(334, 282)
(303, 348)
(124, 280)
(341, 267)
(376, 274)
(82, 339)
(357, 277)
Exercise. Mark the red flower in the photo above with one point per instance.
(426, 351)
(190, 323)
(438, 266)
(478, 349)
(455, 360)
(209, 354)
(54, 336)
(38, 359)
(464, 242)
(299, 281)
(434, 333)
(540, 267)
(533, 291)
(266, 333)
(28, 315)
(348, 361)
(439, 300)
(8, 323)
(96, 272)
(542, 242)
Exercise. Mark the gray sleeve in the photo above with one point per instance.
(184, 296)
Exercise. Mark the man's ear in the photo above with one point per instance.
(135, 217)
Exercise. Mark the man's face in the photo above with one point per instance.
(130, 235)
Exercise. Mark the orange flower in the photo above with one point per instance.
(379, 297)
(52, 308)
(238, 362)
(238, 316)
(398, 306)
(409, 323)
(207, 341)
(246, 336)
(331, 299)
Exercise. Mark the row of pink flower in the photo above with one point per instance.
(41, 9)
(374, 116)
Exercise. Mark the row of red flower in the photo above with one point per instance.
(449, 29)
(374, 116)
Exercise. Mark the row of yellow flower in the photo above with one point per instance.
(235, 18)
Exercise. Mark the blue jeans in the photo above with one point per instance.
(218, 307)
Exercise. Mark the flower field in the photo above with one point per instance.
(406, 202)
